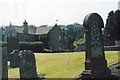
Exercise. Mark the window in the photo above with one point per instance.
(52, 47)
(61, 48)
(59, 38)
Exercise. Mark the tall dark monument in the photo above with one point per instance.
(95, 64)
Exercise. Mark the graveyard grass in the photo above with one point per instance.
(62, 65)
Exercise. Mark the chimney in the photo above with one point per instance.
(10, 24)
(25, 26)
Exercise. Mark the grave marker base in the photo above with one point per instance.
(98, 69)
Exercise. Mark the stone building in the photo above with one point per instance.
(57, 40)
(52, 36)
(24, 33)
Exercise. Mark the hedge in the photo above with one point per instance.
(34, 46)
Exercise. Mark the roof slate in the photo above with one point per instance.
(33, 30)
(43, 30)
(19, 29)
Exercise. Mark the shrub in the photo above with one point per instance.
(79, 41)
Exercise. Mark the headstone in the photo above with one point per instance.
(0, 60)
(95, 64)
(4, 64)
(27, 65)
(12, 43)
(14, 59)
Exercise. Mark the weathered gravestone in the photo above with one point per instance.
(12, 43)
(95, 64)
(27, 65)
(4, 63)
(1, 31)
(14, 59)
(0, 60)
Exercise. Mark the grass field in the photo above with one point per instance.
(62, 65)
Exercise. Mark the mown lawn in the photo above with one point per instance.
(62, 65)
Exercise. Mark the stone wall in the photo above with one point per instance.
(117, 42)
(106, 48)
(80, 47)
(111, 48)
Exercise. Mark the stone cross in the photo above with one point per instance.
(14, 59)
(27, 65)
(95, 64)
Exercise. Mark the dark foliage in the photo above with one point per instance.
(74, 31)
(112, 27)
(34, 46)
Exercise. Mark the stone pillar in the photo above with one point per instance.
(4, 64)
(14, 59)
(27, 65)
(95, 63)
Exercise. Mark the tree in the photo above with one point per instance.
(117, 25)
(108, 30)
(73, 30)
(112, 27)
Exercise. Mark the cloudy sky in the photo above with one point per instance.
(39, 12)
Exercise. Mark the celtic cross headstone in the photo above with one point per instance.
(95, 64)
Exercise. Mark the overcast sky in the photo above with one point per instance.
(39, 12)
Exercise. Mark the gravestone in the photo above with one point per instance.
(12, 43)
(95, 64)
(27, 65)
(14, 59)
(4, 63)
(0, 60)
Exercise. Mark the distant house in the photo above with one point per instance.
(23, 33)
(57, 40)
(52, 36)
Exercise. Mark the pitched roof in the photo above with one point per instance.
(33, 30)
(43, 30)
(19, 29)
